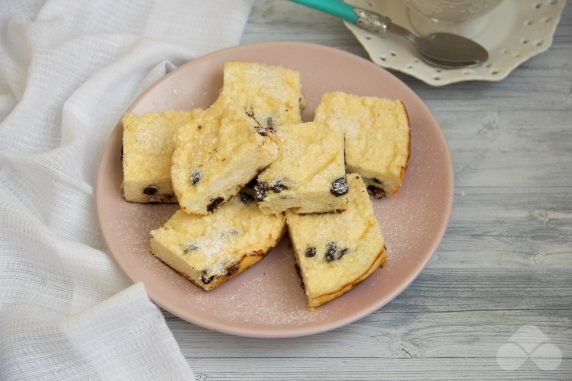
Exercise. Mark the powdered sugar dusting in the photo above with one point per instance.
(269, 294)
(350, 128)
(135, 226)
(153, 139)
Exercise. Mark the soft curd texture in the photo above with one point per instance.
(210, 249)
(377, 137)
(272, 93)
(147, 149)
(310, 160)
(336, 251)
(216, 155)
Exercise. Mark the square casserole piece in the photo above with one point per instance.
(377, 138)
(309, 174)
(147, 149)
(337, 251)
(270, 94)
(217, 154)
(209, 250)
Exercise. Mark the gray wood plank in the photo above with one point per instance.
(466, 333)
(371, 369)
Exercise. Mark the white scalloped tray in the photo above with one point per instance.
(516, 31)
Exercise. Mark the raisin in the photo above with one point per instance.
(188, 248)
(246, 198)
(331, 251)
(252, 183)
(231, 269)
(214, 204)
(261, 131)
(260, 189)
(247, 193)
(205, 279)
(195, 177)
(375, 191)
(310, 252)
(150, 190)
(278, 186)
(339, 187)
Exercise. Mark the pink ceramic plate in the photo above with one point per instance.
(267, 300)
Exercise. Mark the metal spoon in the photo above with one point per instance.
(439, 49)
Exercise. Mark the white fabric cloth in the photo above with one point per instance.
(68, 70)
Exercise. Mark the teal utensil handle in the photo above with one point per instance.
(333, 7)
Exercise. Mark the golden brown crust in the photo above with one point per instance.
(234, 191)
(404, 168)
(160, 199)
(317, 301)
(322, 299)
(177, 271)
(246, 261)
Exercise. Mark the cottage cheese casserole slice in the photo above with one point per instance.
(309, 174)
(377, 138)
(217, 154)
(147, 150)
(209, 250)
(337, 251)
(270, 94)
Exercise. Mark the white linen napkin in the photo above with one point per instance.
(68, 70)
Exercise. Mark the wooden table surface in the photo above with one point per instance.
(504, 264)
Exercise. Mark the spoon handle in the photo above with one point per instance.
(371, 21)
(368, 20)
(333, 7)
(374, 22)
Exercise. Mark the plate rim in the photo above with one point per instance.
(548, 37)
(293, 331)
